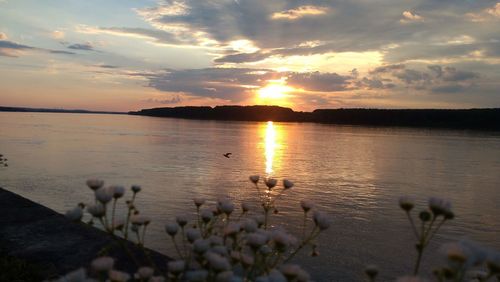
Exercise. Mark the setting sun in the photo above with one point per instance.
(275, 92)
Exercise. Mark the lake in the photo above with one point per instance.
(354, 174)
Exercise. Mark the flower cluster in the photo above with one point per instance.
(224, 242)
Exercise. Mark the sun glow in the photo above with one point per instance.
(275, 92)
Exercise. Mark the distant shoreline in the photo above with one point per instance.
(466, 119)
(470, 119)
(43, 110)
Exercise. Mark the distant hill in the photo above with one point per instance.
(39, 110)
(480, 119)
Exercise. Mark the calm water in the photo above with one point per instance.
(354, 174)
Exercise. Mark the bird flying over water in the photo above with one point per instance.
(227, 155)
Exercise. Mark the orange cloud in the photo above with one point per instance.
(299, 12)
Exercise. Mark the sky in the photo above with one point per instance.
(122, 55)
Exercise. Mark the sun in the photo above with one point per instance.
(275, 92)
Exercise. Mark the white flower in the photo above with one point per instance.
(291, 271)
(176, 267)
(192, 234)
(196, 275)
(406, 203)
(226, 206)
(140, 219)
(157, 279)
(287, 184)
(75, 214)
(96, 210)
(271, 182)
(118, 276)
(225, 276)
(410, 279)
(254, 179)
(321, 220)
(199, 201)
(276, 276)
(117, 191)
(256, 240)
(455, 252)
(219, 249)
(136, 188)
(104, 194)
(200, 246)
(282, 240)
(75, 276)
(145, 272)
(171, 228)
(439, 206)
(181, 220)
(102, 264)
(247, 260)
(306, 205)
(95, 184)
(232, 229)
(217, 262)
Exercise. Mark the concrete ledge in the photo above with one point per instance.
(41, 236)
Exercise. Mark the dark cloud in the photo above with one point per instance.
(84, 47)
(242, 58)
(61, 52)
(104, 66)
(6, 48)
(316, 81)
(12, 45)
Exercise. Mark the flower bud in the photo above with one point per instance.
(95, 184)
(145, 272)
(406, 203)
(96, 210)
(74, 214)
(424, 216)
(104, 194)
(181, 220)
(171, 229)
(271, 183)
(287, 184)
(198, 202)
(176, 267)
(306, 205)
(102, 264)
(136, 188)
(254, 179)
(117, 191)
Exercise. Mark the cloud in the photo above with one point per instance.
(159, 36)
(174, 100)
(299, 12)
(317, 81)
(487, 14)
(13, 49)
(57, 34)
(104, 66)
(3, 36)
(85, 47)
(409, 17)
